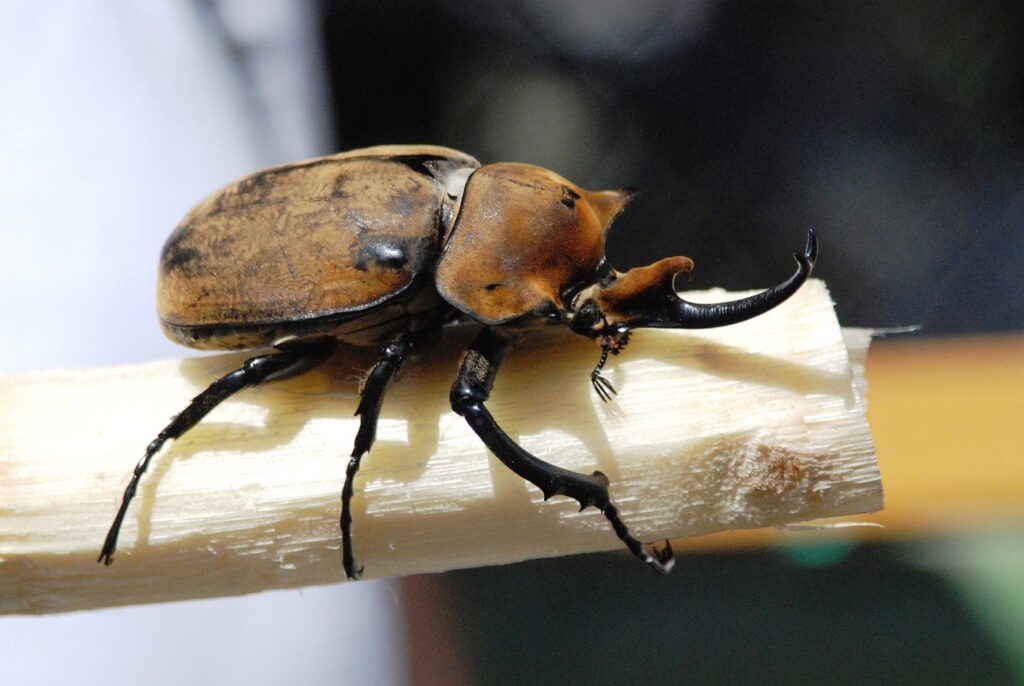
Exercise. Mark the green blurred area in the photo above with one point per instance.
(946, 610)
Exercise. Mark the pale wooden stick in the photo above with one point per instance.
(751, 425)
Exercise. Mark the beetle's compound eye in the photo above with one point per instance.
(588, 319)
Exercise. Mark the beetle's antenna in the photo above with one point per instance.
(603, 386)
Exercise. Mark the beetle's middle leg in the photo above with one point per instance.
(472, 388)
(296, 358)
(392, 356)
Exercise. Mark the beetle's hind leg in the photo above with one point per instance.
(392, 356)
(472, 388)
(296, 359)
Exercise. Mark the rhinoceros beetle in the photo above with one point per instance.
(383, 246)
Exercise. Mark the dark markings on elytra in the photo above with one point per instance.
(261, 184)
(393, 253)
(181, 258)
(257, 184)
(176, 256)
(387, 254)
(401, 205)
(338, 190)
(492, 286)
(418, 163)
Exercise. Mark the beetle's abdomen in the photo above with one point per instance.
(316, 240)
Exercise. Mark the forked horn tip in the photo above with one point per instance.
(810, 255)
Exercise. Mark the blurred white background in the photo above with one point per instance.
(115, 119)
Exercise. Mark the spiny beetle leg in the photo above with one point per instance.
(298, 358)
(371, 396)
(472, 388)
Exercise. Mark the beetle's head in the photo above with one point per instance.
(616, 303)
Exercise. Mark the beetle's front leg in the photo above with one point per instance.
(472, 388)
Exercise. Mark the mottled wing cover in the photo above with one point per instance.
(332, 235)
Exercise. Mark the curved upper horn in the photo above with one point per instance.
(645, 297)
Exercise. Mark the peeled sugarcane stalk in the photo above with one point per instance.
(757, 424)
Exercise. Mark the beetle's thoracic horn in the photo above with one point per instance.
(645, 297)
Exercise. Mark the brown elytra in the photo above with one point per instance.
(305, 247)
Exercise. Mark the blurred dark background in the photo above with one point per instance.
(896, 129)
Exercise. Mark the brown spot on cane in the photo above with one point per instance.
(776, 471)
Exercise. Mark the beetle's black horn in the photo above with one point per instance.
(645, 297)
